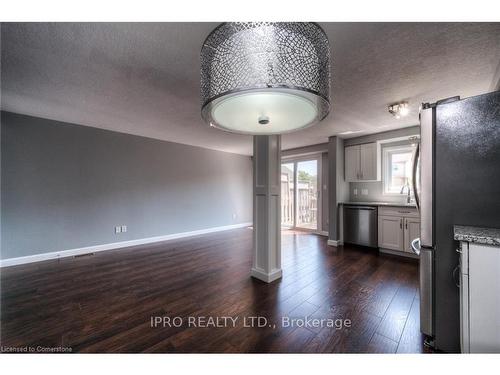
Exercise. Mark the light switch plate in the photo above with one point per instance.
(355, 191)
(124, 228)
(118, 229)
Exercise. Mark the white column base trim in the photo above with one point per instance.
(335, 243)
(399, 253)
(112, 246)
(266, 277)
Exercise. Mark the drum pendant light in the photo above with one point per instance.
(265, 77)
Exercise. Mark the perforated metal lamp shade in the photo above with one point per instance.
(265, 77)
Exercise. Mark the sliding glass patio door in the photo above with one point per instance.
(307, 195)
(287, 195)
(300, 194)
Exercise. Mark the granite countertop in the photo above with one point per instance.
(390, 204)
(487, 236)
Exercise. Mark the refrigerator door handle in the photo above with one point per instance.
(414, 176)
(426, 183)
(456, 279)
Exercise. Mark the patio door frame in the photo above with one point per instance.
(295, 160)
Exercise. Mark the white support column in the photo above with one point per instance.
(267, 207)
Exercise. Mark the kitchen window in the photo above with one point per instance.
(397, 169)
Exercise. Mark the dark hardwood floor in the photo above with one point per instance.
(105, 302)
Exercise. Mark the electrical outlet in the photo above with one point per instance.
(118, 229)
(235, 216)
(355, 191)
(364, 191)
(124, 228)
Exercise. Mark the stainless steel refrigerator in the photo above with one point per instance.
(459, 184)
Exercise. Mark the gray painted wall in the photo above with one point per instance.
(325, 217)
(312, 149)
(332, 189)
(67, 186)
(376, 188)
(338, 188)
(404, 132)
(342, 185)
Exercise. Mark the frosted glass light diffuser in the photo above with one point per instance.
(264, 112)
(265, 77)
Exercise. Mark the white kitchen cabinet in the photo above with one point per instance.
(390, 232)
(479, 298)
(397, 228)
(352, 155)
(362, 162)
(369, 160)
(411, 231)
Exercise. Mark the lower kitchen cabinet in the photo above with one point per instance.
(390, 232)
(397, 228)
(479, 301)
(411, 231)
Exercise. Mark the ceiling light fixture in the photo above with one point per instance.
(265, 77)
(399, 110)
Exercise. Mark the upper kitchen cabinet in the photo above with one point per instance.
(362, 162)
(369, 161)
(352, 163)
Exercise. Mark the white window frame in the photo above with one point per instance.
(386, 152)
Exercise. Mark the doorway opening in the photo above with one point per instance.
(300, 182)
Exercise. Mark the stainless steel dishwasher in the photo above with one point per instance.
(361, 225)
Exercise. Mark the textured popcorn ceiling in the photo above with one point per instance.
(143, 79)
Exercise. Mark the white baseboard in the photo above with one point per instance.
(266, 277)
(111, 246)
(322, 233)
(335, 243)
(399, 253)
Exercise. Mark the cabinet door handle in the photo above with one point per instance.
(406, 224)
(400, 223)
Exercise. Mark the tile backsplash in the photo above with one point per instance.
(372, 192)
